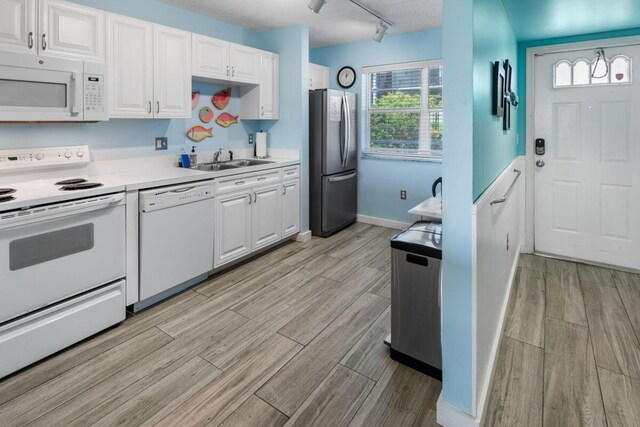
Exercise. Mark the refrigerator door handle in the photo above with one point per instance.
(345, 106)
(342, 178)
(343, 130)
(348, 139)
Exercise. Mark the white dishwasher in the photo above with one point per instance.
(176, 239)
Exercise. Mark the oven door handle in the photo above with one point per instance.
(44, 213)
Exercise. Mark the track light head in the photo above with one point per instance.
(381, 31)
(316, 5)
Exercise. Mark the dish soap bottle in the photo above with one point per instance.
(193, 157)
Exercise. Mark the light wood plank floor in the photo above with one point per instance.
(570, 351)
(293, 337)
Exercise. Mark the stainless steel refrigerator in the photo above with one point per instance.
(333, 130)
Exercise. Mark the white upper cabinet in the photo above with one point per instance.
(245, 64)
(171, 72)
(18, 26)
(210, 58)
(262, 102)
(72, 31)
(130, 59)
(318, 77)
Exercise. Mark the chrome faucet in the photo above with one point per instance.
(216, 155)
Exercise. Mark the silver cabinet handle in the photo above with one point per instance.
(239, 182)
(158, 107)
(250, 198)
(149, 107)
(44, 42)
(284, 190)
(227, 70)
(31, 40)
(262, 178)
(262, 110)
(233, 71)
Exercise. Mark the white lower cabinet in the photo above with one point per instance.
(232, 227)
(290, 208)
(260, 213)
(266, 216)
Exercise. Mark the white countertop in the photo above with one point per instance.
(35, 192)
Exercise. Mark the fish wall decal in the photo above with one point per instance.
(225, 120)
(195, 98)
(199, 133)
(206, 114)
(221, 99)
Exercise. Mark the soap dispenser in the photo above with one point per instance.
(193, 157)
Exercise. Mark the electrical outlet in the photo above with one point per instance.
(403, 194)
(161, 143)
(250, 138)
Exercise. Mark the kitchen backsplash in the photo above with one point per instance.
(127, 138)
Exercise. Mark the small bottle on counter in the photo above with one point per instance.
(193, 157)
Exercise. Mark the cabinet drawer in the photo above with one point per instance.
(291, 172)
(243, 182)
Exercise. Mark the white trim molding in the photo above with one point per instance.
(381, 222)
(303, 236)
(449, 416)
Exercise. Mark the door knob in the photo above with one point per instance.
(540, 163)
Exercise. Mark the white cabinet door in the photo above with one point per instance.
(290, 208)
(318, 77)
(171, 73)
(245, 64)
(71, 31)
(130, 59)
(269, 86)
(266, 216)
(232, 227)
(210, 57)
(18, 26)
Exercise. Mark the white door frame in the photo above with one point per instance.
(532, 52)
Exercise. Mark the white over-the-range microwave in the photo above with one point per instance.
(39, 89)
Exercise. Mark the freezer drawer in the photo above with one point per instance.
(339, 201)
(30, 338)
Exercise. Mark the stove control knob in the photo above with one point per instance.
(67, 154)
(39, 156)
(80, 154)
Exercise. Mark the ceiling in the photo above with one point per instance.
(339, 21)
(541, 19)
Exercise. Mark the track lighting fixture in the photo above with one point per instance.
(381, 31)
(383, 25)
(316, 5)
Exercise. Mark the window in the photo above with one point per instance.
(403, 110)
(599, 71)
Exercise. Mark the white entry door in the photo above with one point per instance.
(587, 184)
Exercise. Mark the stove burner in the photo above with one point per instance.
(80, 186)
(71, 181)
(6, 191)
(6, 199)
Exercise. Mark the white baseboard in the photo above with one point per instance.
(449, 416)
(381, 222)
(303, 236)
(483, 399)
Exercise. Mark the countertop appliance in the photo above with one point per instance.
(333, 140)
(176, 239)
(39, 89)
(416, 298)
(62, 262)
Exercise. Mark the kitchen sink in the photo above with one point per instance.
(250, 162)
(211, 167)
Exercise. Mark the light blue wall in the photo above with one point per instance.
(475, 33)
(457, 170)
(292, 130)
(522, 71)
(380, 181)
(493, 40)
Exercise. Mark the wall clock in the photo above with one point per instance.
(346, 77)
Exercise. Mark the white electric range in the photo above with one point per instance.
(62, 253)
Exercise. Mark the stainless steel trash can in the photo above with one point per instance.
(415, 298)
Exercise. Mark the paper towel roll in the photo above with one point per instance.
(261, 144)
